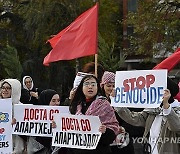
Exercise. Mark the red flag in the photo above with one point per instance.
(170, 62)
(79, 39)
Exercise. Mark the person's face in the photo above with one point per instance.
(28, 82)
(6, 90)
(89, 88)
(108, 87)
(55, 101)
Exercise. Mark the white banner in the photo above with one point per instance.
(76, 131)
(78, 78)
(35, 120)
(5, 126)
(140, 88)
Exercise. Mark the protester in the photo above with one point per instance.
(87, 101)
(107, 85)
(11, 88)
(28, 85)
(42, 145)
(90, 68)
(162, 125)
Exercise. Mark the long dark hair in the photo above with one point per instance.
(79, 95)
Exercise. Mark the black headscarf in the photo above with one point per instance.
(46, 96)
(44, 99)
(174, 89)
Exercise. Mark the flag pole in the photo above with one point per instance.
(96, 55)
(96, 58)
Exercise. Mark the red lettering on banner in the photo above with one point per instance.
(2, 130)
(70, 124)
(41, 113)
(45, 115)
(36, 114)
(31, 114)
(140, 82)
(63, 124)
(85, 125)
(88, 125)
(149, 80)
(26, 114)
(132, 83)
(51, 117)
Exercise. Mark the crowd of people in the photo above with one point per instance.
(92, 97)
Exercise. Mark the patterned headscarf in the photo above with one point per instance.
(108, 77)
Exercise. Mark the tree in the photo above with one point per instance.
(31, 23)
(108, 58)
(156, 27)
(11, 63)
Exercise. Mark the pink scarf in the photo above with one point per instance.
(101, 107)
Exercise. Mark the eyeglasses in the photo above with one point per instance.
(5, 88)
(86, 84)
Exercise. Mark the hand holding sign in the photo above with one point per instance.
(139, 89)
(77, 131)
(166, 97)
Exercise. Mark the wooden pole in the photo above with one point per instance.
(96, 58)
(96, 55)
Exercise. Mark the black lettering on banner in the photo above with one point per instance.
(66, 138)
(73, 134)
(45, 128)
(22, 125)
(49, 130)
(4, 144)
(31, 126)
(16, 129)
(57, 138)
(26, 130)
(36, 127)
(95, 139)
(90, 140)
(40, 128)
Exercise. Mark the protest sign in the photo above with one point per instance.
(35, 120)
(76, 131)
(5, 126)
(78, 78)
(139, 89)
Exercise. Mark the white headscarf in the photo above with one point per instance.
(16, 89)
(24, 85)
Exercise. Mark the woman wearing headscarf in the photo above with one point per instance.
(162, 125)
(29, 91)
(107, 85)
(42, 145)
(11, 88)
(88, 101)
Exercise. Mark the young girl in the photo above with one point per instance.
(11, 88)
(87, 101)
(42, 145)
(107, 85)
